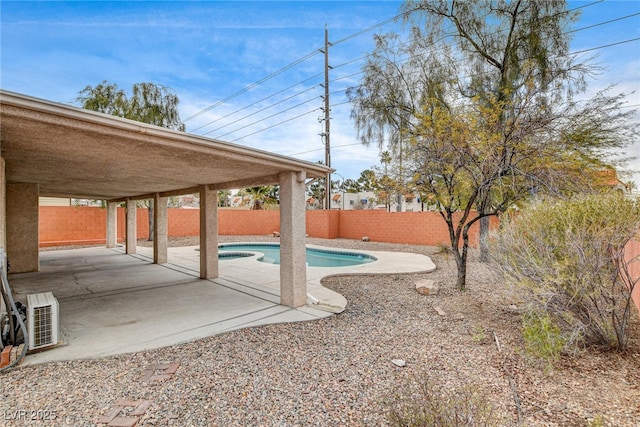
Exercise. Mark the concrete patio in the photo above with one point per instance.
(113, 303)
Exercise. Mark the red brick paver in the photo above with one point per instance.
(160, 372)
(112, 417)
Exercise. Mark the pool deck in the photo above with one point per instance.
(112, 303)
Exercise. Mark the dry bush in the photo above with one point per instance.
(568, 259)
(423, 403)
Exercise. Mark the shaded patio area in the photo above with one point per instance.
(113, 303)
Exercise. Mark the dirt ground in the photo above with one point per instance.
(474, 340)
(590, 388)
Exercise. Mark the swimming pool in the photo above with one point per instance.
(315, 257)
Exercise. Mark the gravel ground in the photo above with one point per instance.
(338, 371)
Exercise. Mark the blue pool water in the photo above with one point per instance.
(315, 257)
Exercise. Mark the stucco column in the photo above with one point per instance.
(112, 224)
(22, 216)
(293, 270)
(208, 233)
(160, 234)
(131, 237)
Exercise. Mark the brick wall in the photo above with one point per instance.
(414, 228)
(324, 224)
(66, 225)
(249, 222)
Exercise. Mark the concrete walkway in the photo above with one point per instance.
(112, 303)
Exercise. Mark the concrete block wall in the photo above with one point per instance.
(182, 222)
(69, 225)
(324, 224)
(413, 228)
(65, 225)
(248, 222)
(632, 254)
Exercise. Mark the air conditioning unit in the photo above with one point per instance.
(42, 320)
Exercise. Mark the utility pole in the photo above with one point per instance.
(327, 118)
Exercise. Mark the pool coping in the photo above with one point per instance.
(265, 277)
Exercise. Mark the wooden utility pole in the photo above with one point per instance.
(327, 119)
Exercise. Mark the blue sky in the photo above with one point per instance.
(208, 51)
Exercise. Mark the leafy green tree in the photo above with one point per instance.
(148, 103)
(224, 197)
(263, 195)
(482, 95)
(317, 190)
(367, 180)
(351, 186)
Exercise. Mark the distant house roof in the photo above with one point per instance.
(610, 178)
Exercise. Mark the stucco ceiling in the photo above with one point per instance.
(72, 152)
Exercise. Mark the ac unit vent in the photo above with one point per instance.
(42, 320)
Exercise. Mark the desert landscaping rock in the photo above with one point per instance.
(337, 371)
(399, 362)
(427, 287)
(440, 311)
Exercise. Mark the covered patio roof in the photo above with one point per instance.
(71, 152)
(51, 149)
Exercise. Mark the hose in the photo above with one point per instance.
(6, 289)
(12, 326)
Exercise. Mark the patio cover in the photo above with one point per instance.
(71, 152)
(53, 149)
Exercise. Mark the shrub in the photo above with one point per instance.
(543, 338)
(568, 258)
(426, 404)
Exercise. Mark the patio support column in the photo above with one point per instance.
(130, 231)
(112, 221)
(293, 269)
(22, 222)
(160, 235)
(208, 233)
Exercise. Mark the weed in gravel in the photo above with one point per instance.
(424, 403)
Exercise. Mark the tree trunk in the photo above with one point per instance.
(461, 264)
(484, 239)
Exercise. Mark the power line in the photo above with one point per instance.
(259, 101)
(606, 45)
(603, 23)
(252, 85)
(322, 149)
(360, 58)
(373, 27)
(311, 54)
(268, 117)
(259, 111)
(347, 102)
(277, 124)
(289, 66)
